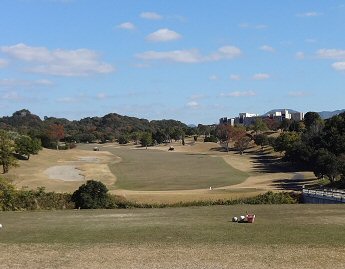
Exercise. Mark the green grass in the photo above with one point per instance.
(308, 225)
(158, 170)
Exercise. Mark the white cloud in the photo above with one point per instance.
(235, 77)
(3, 63)
(310, 40)
(225, 52)
(22, 83)
(238, 94)
(261, 76)
(11, 96)
(191, 56)
(163, 35)
(331, 54)
(67, 100)
(339, 66)
(298, 94)
(126, 26)
(59, 62)
(213, 77)
(300, 55)
(309, 14)
(246, 25)
(193, 104)
(181, 56)
(198, 96)
(141, 65)
(102, 96)
(267, 48)
(151, 16)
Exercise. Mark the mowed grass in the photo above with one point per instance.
(275, 225)
(283, 236)
(155, 170)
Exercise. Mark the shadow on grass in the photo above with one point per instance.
(265, 162)
(296, 183)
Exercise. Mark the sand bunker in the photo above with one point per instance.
(64, 172)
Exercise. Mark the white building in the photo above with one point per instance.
(247, 119)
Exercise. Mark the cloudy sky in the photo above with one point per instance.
(194, 61)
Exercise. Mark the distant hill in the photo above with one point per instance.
(330, 114)
(277, 110)
(100, 128)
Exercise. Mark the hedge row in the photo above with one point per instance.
(12, 199)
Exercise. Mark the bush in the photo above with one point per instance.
(91, 195)
(7, 193)
(211, 139)
(123, 139)
(11, 199)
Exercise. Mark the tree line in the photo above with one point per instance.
(313, 144)
(319, 147)
(109, 128)
(94, 195)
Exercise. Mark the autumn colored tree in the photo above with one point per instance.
(227, 133)
(56, 132)
(242, 144)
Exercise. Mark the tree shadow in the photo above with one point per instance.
(266, 163)
(295, 184)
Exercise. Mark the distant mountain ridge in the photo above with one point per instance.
(277, 110)
(329, 114)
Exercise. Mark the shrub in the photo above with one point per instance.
(123, 139)
(211, 139)
(91, 195)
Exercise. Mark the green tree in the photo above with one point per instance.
(177, 133)
(333, 134)
(91, 195)
(6, 151)
(7, 195)
(123, 139)
(135, 136)
(313, 121)
(146, 139)
(159, 136)
(25, 146)
(285, 141)
(261, 140)
(259, 126)
(327, 164)
(285, 124)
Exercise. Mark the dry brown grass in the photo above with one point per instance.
(169, 256)
(32, 174)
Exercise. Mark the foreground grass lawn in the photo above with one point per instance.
(283, 236)
(275, 224)
(157, 170)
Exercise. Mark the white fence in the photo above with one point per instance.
(324, 196)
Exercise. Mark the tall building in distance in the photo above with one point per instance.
(247, 119)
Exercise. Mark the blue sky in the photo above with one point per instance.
(194, 61)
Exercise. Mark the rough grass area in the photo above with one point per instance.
(155, 170)
(283, 236)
